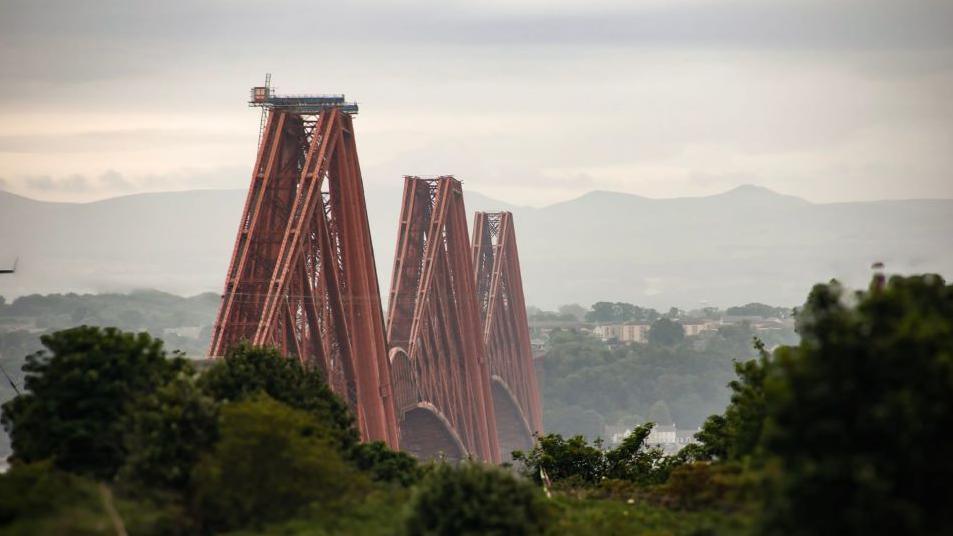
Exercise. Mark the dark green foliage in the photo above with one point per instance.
(860, 413)
(80, 391)
(576, 461)
(248, 370)
(563, 459)
(475, 499)
(170, 429)
(601, 517)
(385, 465)
(737, 434)
(270, 462)
(666, 332)
(702, 485)
(713, 439)
(31, 491)
(632, 461)
(38, 499)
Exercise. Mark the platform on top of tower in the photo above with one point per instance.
(264, 97)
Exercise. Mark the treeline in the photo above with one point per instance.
(587, 385)
(604, 312)
(182, 322)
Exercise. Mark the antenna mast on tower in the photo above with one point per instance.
(264, 112)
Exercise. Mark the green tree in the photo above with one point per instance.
(170, 430)
(577, 462)
(666, 332)
(475, 499)
(247, 370)
(633, 461)
(79, 393)
(859, 412)
(562, 459)
(270, 462)
(737, 434)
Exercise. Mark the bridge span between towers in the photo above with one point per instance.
(450, 372)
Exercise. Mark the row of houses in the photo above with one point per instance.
(639, 332)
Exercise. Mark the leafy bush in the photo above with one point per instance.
(270, 462)
(562, 459)
(170, 430)
(576, 461)
(702, 485)
(38, 499)
(475, 499)
(385, 465)
(248, 370)
(632, 460)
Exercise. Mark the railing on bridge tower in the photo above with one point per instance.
(440, 375)
(302, 275)
(506, 331)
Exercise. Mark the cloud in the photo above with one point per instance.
(71, 183)
(111, 183)
(72, 41)
(131, 139)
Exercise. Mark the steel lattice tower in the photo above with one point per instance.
(506, 331)
(438, 361)
(302, 276)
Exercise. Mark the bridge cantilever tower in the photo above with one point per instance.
(506, 336)
(302, 275)
(440, 374)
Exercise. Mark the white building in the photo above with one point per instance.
(662, 434)
(693, 328)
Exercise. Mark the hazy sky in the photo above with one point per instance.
(527, 101)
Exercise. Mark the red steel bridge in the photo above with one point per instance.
(449, 372)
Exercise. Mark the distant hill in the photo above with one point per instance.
(748, 244)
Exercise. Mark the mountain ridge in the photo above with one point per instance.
(742, 189)
(746, 244)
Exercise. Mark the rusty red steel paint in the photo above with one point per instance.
(505, 329)
(434, 319)
(302, 276)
